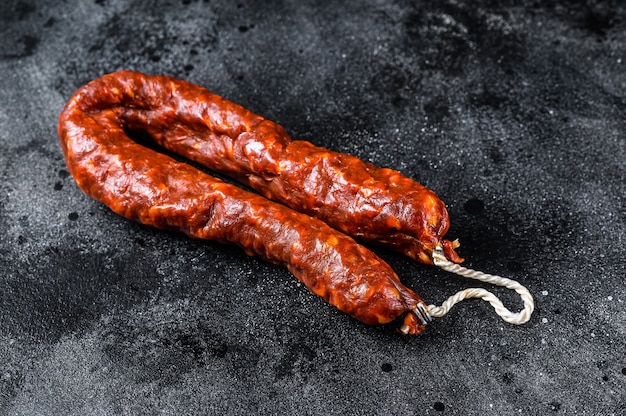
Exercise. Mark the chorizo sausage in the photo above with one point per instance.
(374, 204)
(154, 189)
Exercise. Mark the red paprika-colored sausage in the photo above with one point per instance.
(152, 188)
(370, 203)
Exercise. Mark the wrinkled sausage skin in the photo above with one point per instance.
(154, 189)
(374, 204)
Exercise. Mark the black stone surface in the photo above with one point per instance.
(513, 112)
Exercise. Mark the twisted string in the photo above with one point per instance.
(518, 318)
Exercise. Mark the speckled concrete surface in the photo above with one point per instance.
(513, 113)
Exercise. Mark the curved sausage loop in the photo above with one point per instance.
(355, 197)
(154, 189)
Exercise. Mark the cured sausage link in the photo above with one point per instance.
(154, 189)
(358, 198)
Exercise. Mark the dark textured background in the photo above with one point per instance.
(513, 113)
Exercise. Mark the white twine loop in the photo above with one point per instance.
(518, 318)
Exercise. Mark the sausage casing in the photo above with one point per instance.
(154, 189)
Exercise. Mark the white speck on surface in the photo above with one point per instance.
(544, 292)
(544, 320)
(609, 297)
